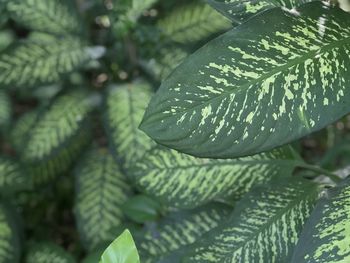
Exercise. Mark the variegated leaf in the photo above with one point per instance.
(265, 226)
(180, 229)
(326, 238)
(54, 16)
(47, 253)
(35, 62)
(13, 177)
(125, 106)
(277, 77)
(10, 248)
(58, 137)
(239, 11)
(192, 23)
(180, 180)
(101, 190)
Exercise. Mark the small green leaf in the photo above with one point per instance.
(122, 250)
(325, 238)
(12, 177)
(192, 23)
(141, 209)
(5, 110)
(125, 106)
(265, 83)
(239, 11)
(47, 253)
(36, 62)
(183, 181)
(179, 229)
(264, 227)
(10, 249)
(54, 16)
(101, 190)
(58, 136)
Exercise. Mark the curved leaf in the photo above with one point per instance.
(33, 62)
(58, 136)
(48, 253)
(9, 237)
(239, 11)
(184, 181)
(192, 23)
(325, 238)
(12, 177)
(179, 229)
(277, 77)
(122, 250)
(101, 190)
(54, 16)
(125, 106)
(5, 110)
(264, 227)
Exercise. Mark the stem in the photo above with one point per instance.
(335, 178)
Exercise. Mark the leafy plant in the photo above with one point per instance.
(98, 165)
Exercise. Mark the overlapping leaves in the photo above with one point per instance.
(101, 190)
(277, 77)
(181, 180)
(265, 226)
(47, 253)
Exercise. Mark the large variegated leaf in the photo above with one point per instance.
(239, 11)
(192, 23)
(31, 63)
(264, 228)
(10, 249)
(122, 250)
(180, 229)
(277, 77)
(13, 177)
(5, 110)
(54, 16)
(125, 106)
(181, 180)
(47, 253)
(58, 137)
(101, 190)
(325, 238)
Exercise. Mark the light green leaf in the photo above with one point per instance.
(5, 110)
(180, 180)
(125, 106)
(264, 227)
(269, 81)
(10, 249)
(58, 137)
(325, 238)
(54, 16)
(13, 177)
(179, 229)
(101, 190)
(239, 11)
(192, 23)
(122, 250)
(47, 253)
(37, 62)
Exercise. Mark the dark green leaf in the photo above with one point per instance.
(101, 190)
(5, 110)
(276, 78)
(184, 181)
(264, 227)
(141, 209)
(122, 250)
(325, 237)
(47, 253)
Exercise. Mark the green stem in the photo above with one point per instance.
(335, 178)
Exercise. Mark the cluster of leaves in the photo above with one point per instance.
(75, 171)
